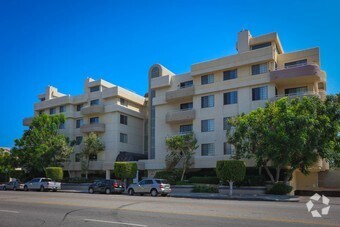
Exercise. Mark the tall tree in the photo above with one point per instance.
(92, 146)
(290, 133)
(5, 164)
(182, 147)
(41, 145)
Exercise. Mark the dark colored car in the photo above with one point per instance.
(13, 185)
(107, 186)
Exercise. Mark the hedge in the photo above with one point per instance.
(171, 176)
(55, 173)
(204, 180)
(205, 188)
(280, 189)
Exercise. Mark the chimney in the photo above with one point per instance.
(243, 40)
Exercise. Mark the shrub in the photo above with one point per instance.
(185, 182)
(171, 176)
(252, 181)
(55, 173)
(201, 173)
(125, 170)
(204, 180)
(205, 188)
(280, 189)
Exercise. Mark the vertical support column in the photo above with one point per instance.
(107, 174)
(135, 180)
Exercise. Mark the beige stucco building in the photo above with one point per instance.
(116, 114)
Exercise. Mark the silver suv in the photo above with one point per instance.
(150, 186)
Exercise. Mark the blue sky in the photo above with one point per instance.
(60, 43)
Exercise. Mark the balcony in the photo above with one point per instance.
(27, 121)
(296, 95)
(180, 116)
(92, 110)
(97, 127)
(159, 82)
(306, 73)
(179, 94)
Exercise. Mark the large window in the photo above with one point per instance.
(207, 125)
(229, 149)
(230, 98)
(79, 123)
(155, 72)
(230, 74)
(123, 138)
(62, 109)
(79, 139)
(123, 119)
(226, 125)
(207, 79)
(53, 110)
(296, 90)
(259, 69)
(186, 106)
(295, 63)
(95, 88)
(208, 149)
(185, 128)
(123, 102)
(186, 84)
(207, 101)
(79, 107)
(62, 126)
(260, 93)
(94, 120)
(262, 45)
(94, 102)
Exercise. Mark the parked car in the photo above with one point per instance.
(107, 186)
(13, 185)
(42, 184)
(150, 186)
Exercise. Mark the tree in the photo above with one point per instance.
(125, 170)
(231, 171)
(182, 147)
(92, 146)
(289, 133)
(55, 173)
(5, 165)
(41, 145)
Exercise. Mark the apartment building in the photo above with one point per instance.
(201, 100)
(117, 115)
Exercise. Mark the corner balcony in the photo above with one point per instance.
(179, 94)
(180, 116)
(97, 127)
(307, 73)
(27, 121)
(296, 95)
(92, 110)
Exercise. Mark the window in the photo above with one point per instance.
(79, 107)
(260, 93)
(228, 148)
(123, 119)
(94, 102)
(295, 63)
(155, 72)
(93, 157)
(94, 120)
(207, 101)
(79, 139)
(207, 125)
(230, 74)
(95, 88)
(52, 111)
(78, 157)
(207, 79)
(62, 126)
(186, 84)
(259, 69)
(208, 149)
(185, 128)
(79, 123)
(230, 98)
(296, 90)
(262, 45)
(226, 125)
(123, 138)
(62, 109)
(186, 106)
(41, 112)
(123, 102)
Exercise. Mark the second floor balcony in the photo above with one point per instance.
(180, 94)
(92, 110)
(95, 127)
(180, 116)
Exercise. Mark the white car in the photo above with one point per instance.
(42, 184)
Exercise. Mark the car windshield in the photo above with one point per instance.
(162, 181)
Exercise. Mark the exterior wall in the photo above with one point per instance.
(329, 179)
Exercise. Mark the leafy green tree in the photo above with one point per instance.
(182, 147)
(92, 146)
(41, 145)
(125, 170)
(230, 171)
(290, 133)
(5, 163)
(55, 173)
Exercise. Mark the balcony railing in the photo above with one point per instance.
(95, 127)
(295, 95)
(91, 110)
(179, 94)
(180, 116)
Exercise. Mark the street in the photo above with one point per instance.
(18, 208)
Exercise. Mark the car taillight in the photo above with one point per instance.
(115, 185)
(161, 186)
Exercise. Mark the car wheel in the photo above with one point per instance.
(91, 191)
(4, 188)
(108, 191)
(15, 188)
(25, 188)
(42, 189)
(154, 192)
(131, 191)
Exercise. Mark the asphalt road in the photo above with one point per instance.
(80, 209)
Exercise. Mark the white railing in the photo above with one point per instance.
(298, 94)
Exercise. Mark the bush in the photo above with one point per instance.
(171, 176)
(125, 170)
(280, 189)
(55, 173)
(201, 173)
(205, 188)
(204, 180)
(230, 170)
(252, 181)
(185, 182)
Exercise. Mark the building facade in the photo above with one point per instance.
(117, 115)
